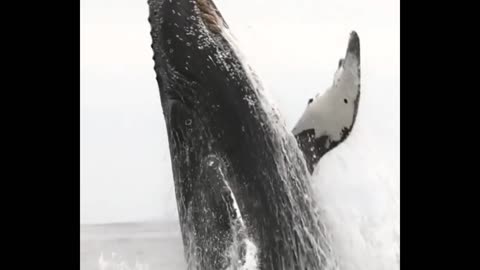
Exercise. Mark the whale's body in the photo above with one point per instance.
(241, 178)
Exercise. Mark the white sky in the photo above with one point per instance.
(294, 47)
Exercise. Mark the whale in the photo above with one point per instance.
(241, 177)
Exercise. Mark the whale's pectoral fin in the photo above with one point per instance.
(213, 213)
(328, 119)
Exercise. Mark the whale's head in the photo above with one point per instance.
(207, 93)
(195, 62)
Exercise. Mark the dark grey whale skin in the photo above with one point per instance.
(226, 144)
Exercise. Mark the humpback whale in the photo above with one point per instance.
(241, 178)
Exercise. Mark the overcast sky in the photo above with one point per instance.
(294, 47)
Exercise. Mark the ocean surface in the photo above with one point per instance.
(131, 246)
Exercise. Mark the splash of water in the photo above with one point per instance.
(115, 262)
(360, 197)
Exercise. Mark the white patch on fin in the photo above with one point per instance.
(335, 110)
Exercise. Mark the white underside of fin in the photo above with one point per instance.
(333, 111)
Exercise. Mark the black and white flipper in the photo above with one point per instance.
(329, 118)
